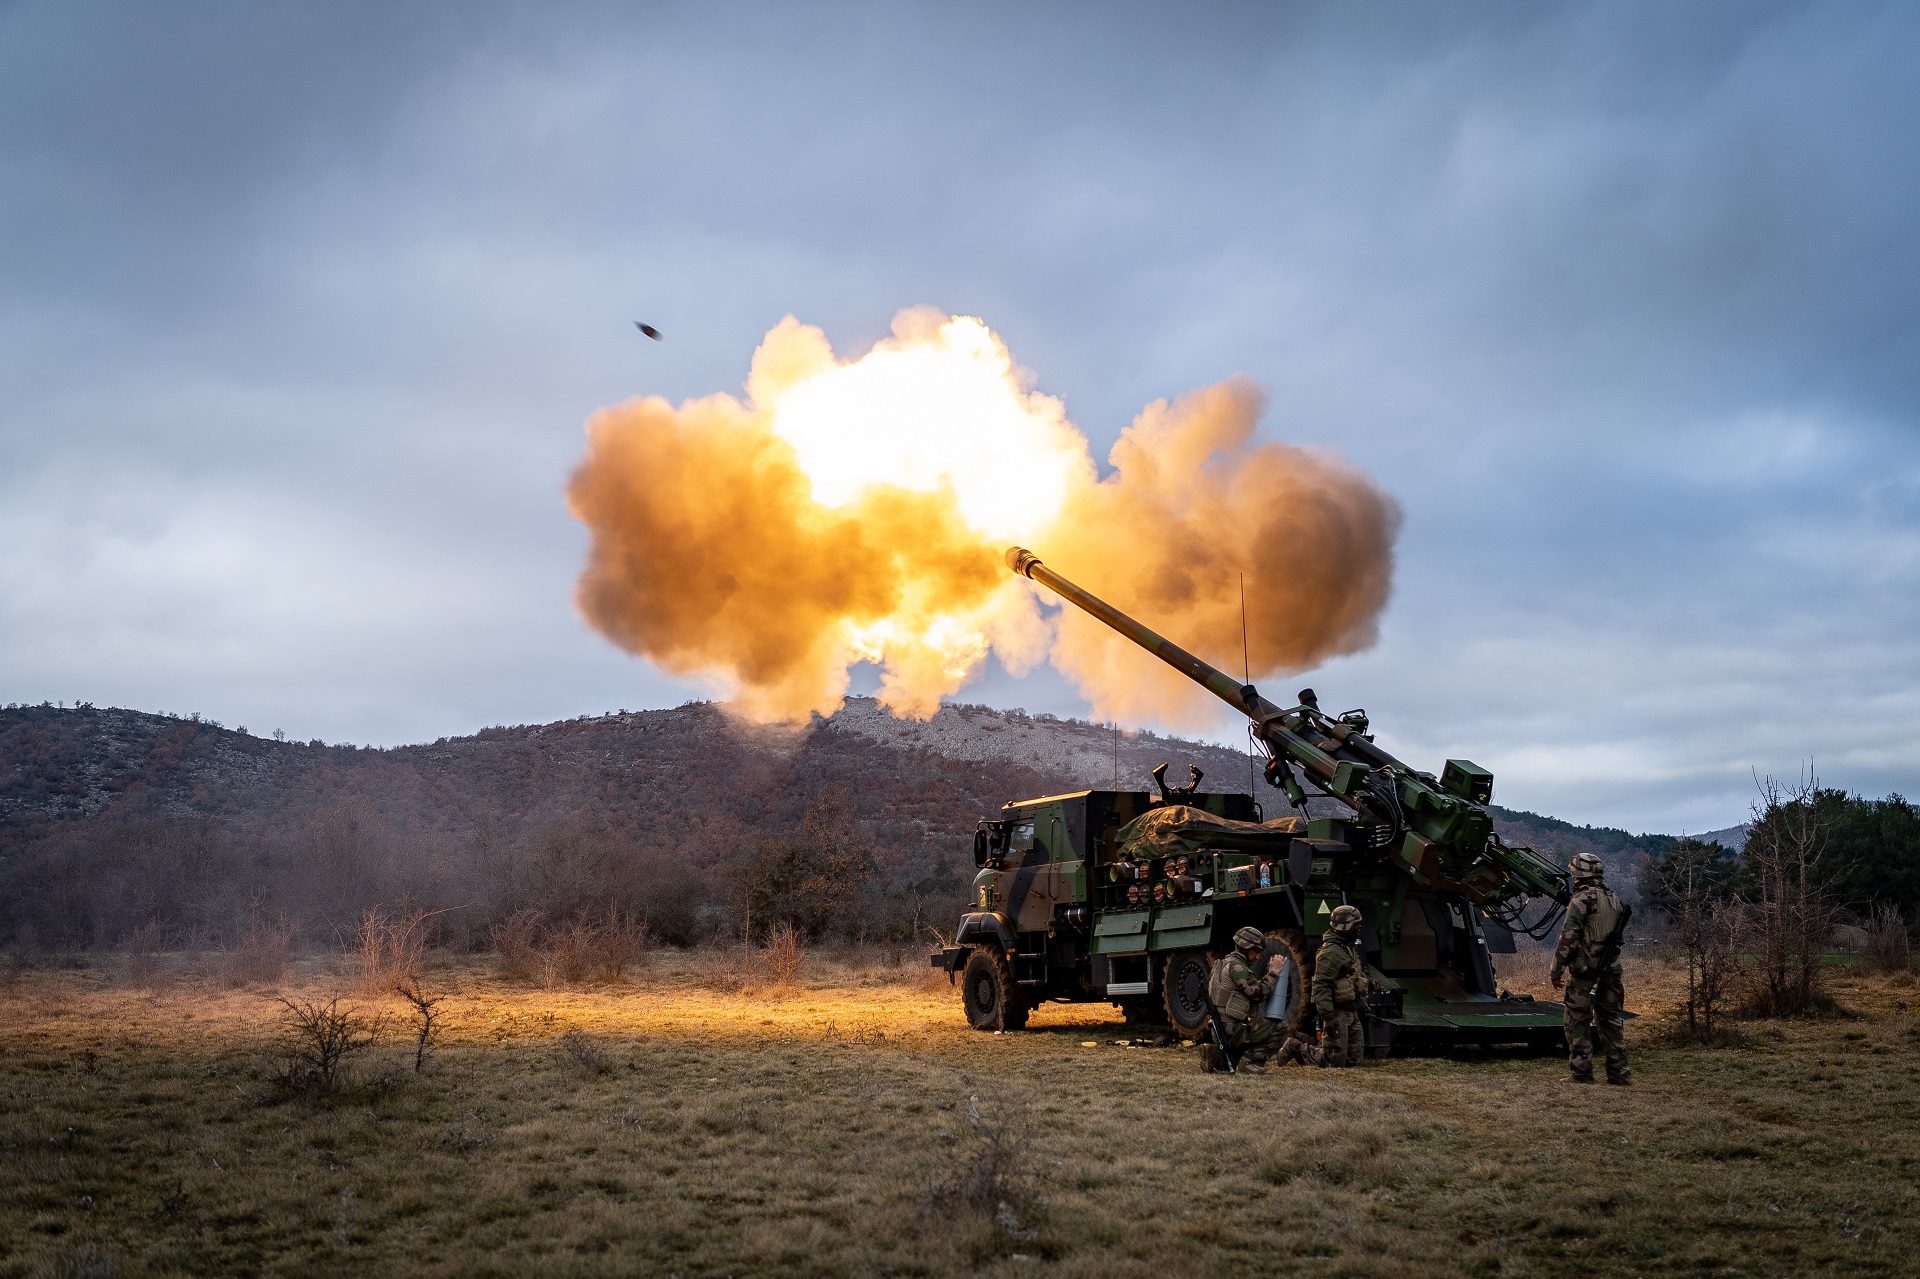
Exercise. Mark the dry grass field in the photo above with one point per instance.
(674, 1125)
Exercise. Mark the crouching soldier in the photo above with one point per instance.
(1339, 984)
(1240, 987)
(1589, 956)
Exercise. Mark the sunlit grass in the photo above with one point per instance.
(684, 1122)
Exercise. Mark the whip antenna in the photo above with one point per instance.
(1246, 674)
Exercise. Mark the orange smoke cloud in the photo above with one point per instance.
(1193, 509)
(857, 511)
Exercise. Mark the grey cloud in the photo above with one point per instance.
(303, 309)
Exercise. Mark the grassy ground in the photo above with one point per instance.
(855, 1126)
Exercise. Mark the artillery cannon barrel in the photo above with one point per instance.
(1242, 697)
(1378, 787)
(1231, 691)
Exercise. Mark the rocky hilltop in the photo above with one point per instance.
(1079, 755)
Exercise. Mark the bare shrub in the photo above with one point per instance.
(1710, 932)
(586, 1052)
(260, 958)
(317, 1041)
(426, 1020)
(720, 966)
(517, 939)
(992, 1177)
(623, 943)
(388, 952)
(1889, 943)
(782, 955)
(584, 949)
(563, 954)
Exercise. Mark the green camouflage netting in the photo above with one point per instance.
(1178, 828)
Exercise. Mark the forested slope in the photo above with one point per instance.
(113, 820)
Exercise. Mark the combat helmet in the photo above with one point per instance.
(1586, 866)
(1344, 920)
(1249, 938)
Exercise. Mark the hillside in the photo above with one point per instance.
(111, 819)
(623, 770)
(114, 819)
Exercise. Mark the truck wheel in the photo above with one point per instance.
(1290, 991)
(1184, 986)
(987, 990)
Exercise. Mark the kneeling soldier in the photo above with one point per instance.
(1339, 983)
(1240, 987)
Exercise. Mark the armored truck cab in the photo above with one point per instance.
(1128, 897)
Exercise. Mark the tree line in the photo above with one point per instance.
(1755, 924)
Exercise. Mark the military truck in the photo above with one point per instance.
(1129, 896)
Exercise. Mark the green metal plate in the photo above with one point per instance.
(1173, 917)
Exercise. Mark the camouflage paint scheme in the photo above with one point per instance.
(1082, 899)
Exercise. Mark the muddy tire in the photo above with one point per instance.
(1183, 988)
(986, 988)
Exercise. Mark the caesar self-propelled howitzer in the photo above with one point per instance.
(1128, 896)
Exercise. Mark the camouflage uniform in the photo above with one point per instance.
(1240, 992)
(1338, 983)
(1595, 1000)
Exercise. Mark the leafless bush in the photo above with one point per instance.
(517, 939)
(586, 1052)
(260, 958)
(584, 949)
(146, 969)
(782, 955)
(1790, 921)
(426, 1020)
(1710, 933)
(721, 966)
(991, 1175)
(1889, 944)
(388, 952)
(317, 1041)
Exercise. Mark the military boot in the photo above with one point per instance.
(1253, 1066)
(1620, 1079)
(1574, 1077)
(1293, 1052)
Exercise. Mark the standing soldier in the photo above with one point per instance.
(1589, 955)
(1239, 989)
(1339, 983)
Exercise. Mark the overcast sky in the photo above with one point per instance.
(302, 309)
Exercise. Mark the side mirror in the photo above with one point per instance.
(979, 848)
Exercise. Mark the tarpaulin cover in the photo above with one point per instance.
(1179, 828)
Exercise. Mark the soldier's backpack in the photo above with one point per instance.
(1602, 920)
